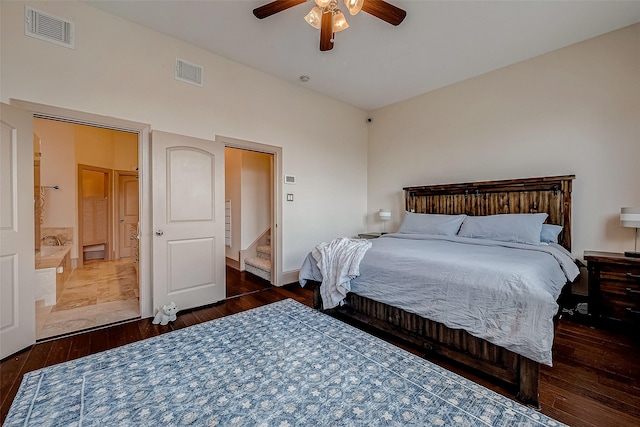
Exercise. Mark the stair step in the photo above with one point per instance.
(259, 266)
(264, 252)
(261, 263)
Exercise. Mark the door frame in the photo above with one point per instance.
(144, 183)
(277, 276)
(108, 179)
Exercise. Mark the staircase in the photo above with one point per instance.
(260, 265)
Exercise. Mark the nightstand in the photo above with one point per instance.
(372, 235)
(614, 287)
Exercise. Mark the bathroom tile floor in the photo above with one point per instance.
(99, 293)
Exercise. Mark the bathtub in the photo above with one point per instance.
(53, 267)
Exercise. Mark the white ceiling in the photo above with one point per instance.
(374, 64)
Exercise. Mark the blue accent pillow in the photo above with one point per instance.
(517, 228)
(550, 233)
(443, 225)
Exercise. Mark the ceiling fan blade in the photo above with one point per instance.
(275, 7)
(326, 32)
(385, 11)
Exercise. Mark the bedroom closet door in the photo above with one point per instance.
(188, 220)
(17, 257)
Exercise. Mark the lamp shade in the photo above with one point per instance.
(339, 22)
(630, 217)
(354, 6)
(314, 18)
(384, 214)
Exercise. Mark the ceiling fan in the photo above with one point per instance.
(326, 16)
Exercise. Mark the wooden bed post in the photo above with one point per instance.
(529, 373)
(317, 298)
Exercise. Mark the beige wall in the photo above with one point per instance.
(58, 167)
(129, 74)
(94, 146)
(125, 151)
(256, 196)
(93, 185)
(572, 111)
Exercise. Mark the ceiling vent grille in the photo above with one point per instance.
(49, 28)
(187, 72)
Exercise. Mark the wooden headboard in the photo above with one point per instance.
(529, 195)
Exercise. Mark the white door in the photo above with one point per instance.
(17, 262)
(128, 207)
(188, 220)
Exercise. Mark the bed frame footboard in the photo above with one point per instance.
(456, 345)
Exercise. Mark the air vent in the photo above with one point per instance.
(187, 72)
(49, 28)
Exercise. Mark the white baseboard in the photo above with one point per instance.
(230, 262)
(290, 276)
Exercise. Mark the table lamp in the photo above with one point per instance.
(385, 216)
(630, 217)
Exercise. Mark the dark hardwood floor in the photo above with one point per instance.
(595, 380)
(242, 283)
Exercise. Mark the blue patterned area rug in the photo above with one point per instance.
(280, 365)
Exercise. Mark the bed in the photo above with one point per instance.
(421, 315)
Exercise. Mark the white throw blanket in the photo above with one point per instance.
(339, 262)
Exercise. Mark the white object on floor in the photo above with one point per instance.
(166, 314)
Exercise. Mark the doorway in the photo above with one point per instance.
(248, 212)
(94, 213)
(272, 155)
(97, 281)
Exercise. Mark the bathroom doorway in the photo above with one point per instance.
(94, 213)
(81, 170)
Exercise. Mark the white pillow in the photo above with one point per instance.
(518, 228)
(443, 225)
(550, 233)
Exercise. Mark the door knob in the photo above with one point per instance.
(159, 232)
(121, 219)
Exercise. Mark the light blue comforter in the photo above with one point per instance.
(502, 292)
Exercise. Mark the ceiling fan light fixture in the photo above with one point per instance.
(326, 17)
(339, 22)
(314, 18)
(354, 6)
